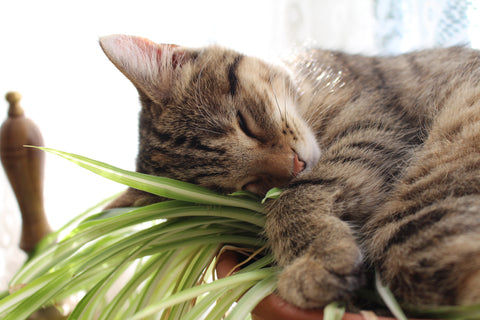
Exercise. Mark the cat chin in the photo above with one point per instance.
(258, 186)
(255, 187)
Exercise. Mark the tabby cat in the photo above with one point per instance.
(379, 158)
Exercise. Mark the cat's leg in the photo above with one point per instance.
(133, 198)
(432, 257)
(318, 250)
(321, 258)
(425, 242)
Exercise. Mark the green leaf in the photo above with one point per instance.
(204, 304)
(334, 311)
(471, 312)
(51, 238)
(33, 296)
(273, 193)
(171, 244)
(160, 186)
(253, 296)
(92, 229)
(227, 299)
(191, 293)
(388, 298)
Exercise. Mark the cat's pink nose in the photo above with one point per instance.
(298, 165)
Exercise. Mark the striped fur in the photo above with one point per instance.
(379, 158)
(399, 174)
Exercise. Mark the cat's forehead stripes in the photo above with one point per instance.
(232, 76)
(260, 89)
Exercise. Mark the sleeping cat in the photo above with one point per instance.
(379, 158)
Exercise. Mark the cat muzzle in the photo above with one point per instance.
(274, 176)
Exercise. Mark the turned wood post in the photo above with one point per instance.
(24, 168)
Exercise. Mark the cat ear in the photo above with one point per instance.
(150, 66)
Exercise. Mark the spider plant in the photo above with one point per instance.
(157, 261)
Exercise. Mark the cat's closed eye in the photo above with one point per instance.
(242, 123)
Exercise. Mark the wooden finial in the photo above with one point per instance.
(24, 168)
(13, 98)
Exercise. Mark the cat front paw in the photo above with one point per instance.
(307, 283)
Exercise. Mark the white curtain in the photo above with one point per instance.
(347, 25)
(379, 26)
(406, 25)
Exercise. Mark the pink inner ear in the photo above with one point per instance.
(132, 54)
(149, 45)
(147, 64)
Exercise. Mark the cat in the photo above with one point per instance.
(379, 158)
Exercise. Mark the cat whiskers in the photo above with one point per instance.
(208, 130)
(285, 102)
(289, 95)
(284, 117)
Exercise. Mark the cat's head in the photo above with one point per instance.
(214, 117)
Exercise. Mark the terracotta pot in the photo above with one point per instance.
(273, 307)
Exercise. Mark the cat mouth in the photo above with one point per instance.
(256, 186)
(260, 184)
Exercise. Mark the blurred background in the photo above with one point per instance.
(49, 52)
